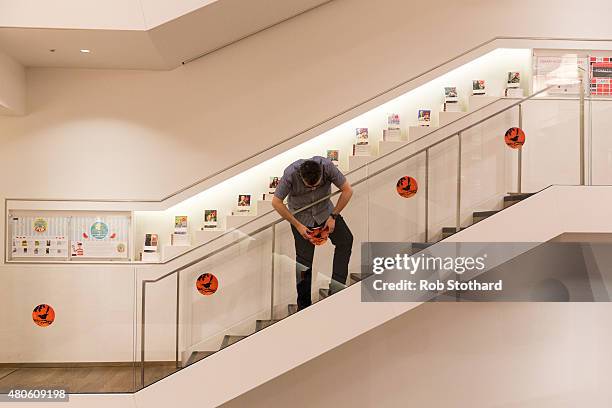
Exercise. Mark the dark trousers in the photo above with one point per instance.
(342, 238)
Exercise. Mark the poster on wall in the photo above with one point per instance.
(100, 236)
(39, 237)
(600, 76)
(550, 70)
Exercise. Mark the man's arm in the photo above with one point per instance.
(346, 192)
(284, 212)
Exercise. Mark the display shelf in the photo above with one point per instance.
(172, 251)
(385, 146)
(234, 221)
(151, 257)
(478, 101)
(417, 132)
(448, 117)
(203, 236)
(264, 206)
(358, 161)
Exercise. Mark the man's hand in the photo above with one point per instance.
(304, 231)
(330, 224)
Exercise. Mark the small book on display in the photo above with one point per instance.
(478, 87)
(451, 99)
(244, 204)
(210, 219)
(513, 86)
(181, 231)
(334, 156)
(274, 181)
(180, 225)
(424, 117)
(362, 147)
(393, 131)
(514, 80)
(150, 243)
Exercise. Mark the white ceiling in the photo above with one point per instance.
(94, 14)
(116, 43)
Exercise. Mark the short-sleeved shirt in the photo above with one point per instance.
(292, 185)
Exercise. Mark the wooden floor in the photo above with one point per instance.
(81, 379)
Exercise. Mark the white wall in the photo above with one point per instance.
(12, 86)
(502, 355)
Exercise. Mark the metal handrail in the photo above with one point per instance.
(357, 182)
(249, 235)
(277, 221)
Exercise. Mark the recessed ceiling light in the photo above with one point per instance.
(85, 51)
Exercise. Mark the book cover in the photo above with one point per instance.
(244, 203)
(478, 87)
(210, 218)
(180, 225)
(514, 79)
(361, 147)
(450, 94)
(362, 136)
(393, 121)
(150, 243)
(600, 70)
(334, 156)
(424, 117)
(274, 181)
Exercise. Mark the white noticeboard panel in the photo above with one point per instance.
(104, 236)
(58, 235)
(39, 237)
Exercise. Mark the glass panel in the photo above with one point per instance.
(551, 154)
(601, 143)
(220, 300)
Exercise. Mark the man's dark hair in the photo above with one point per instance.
(310, 171)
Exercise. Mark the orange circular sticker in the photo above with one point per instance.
(407, 186)
(43, 315)
(207, 284)
(319, 235)
(515, 137)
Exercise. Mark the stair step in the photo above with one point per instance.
(228, 340)
(419, 246)
(291, 309)
(262, 324)
(356, 277)
(197, 356)
(512, 199)
(481, 215)
(448, 231)
(323, 293)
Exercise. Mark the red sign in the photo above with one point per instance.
(515, 137)
(407, 186)
(207, 284)
(43, 315)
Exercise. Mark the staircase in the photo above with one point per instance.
(395, 159)
(323, 293)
